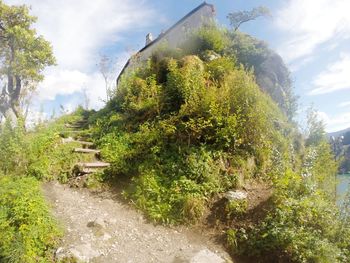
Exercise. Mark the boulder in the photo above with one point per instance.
(202, 256)
(207, 256)
(236, 195)
(82, 253)
(97, 223)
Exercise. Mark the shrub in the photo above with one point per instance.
(193, 208)
(303, 226)
(191, 124)
(302, 230)
(27, 231)
(207, 38)
(185, 132)
(38, 152)
(236, 208)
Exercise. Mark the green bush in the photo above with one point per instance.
(13, 149)
(191, 128)
(207, 38)
(236, 208)
(27, 231)
(303, 226)
(303, 230)
(39, 152)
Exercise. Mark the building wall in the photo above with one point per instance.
(176, 35)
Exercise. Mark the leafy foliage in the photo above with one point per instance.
(38, 153)
(189, 124)
(271, 73)
(23, 55)
(193, 123)
(27, 231)
(345, 162)
(236, 208)
(341, 149)
(210, 38)
(303, 227)
(304, 224)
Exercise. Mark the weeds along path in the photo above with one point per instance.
(99, 228)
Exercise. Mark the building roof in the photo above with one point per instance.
(161, 36)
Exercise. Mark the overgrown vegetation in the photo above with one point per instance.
(27, 231)
(193, 123)
(24, 55)
(188, 126)
(189, 121)
(38, 152)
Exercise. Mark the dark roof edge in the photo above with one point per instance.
(165, 33)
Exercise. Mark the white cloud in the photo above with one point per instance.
(77, 30)
(35, 116)
(311, 23)
(336, 123)
(61, 82)
(334, 78)
(301, 63)
(323, 116)
(344, 104)
(69, 82)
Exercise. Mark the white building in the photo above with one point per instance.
(174, 36)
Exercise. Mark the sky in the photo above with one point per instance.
(312, 36)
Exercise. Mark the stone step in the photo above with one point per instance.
(85, 150)
(81, 137)
(93, 165)
(88, 168)
(73, 131)
(83, 143)
(81, 122)
(73, 126)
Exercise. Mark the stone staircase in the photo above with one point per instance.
(83, 169)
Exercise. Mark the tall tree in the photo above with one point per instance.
(240, 17)
(315, 130)
(23, 57)
(108, 66)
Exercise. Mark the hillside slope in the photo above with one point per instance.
(192, 140)
(338, 133)
(193, 132)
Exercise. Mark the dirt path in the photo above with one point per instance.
(103, 229)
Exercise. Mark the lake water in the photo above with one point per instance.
(343, 186)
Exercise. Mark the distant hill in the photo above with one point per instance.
(338, 133)
(342, 150)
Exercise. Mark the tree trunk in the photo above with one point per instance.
(7, 108)
(11, 116)
(9, 99)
